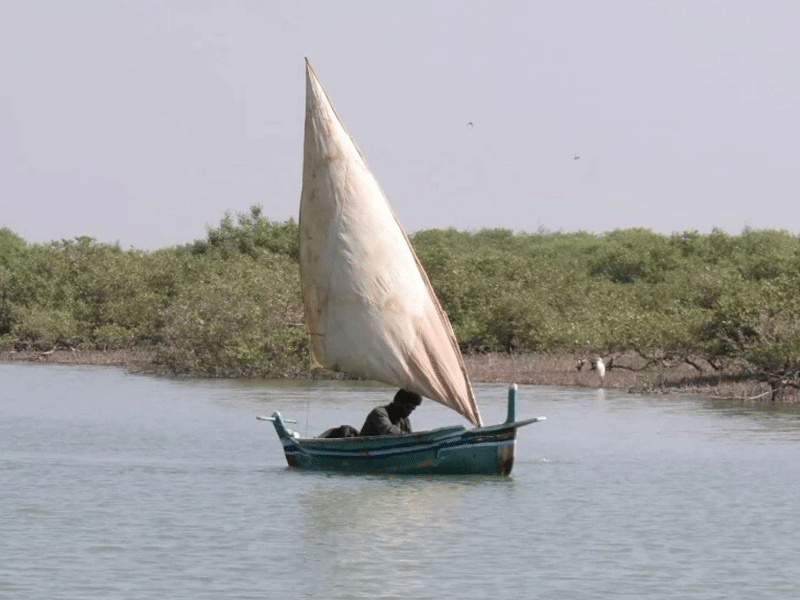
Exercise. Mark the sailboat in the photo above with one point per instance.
(372, 313)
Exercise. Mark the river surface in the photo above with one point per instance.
(133, 487)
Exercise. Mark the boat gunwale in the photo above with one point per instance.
(449, 443)
(405, 439)
(384, 441)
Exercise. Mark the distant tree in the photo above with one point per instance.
(251, 234)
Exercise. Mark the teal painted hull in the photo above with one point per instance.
(449, 450)
(445, 451)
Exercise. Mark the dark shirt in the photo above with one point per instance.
(379, 423)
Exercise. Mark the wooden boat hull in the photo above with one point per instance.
(444, 451)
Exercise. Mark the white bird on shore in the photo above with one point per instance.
(599, 366)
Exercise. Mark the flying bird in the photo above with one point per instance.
(576, 158)
(470, 124)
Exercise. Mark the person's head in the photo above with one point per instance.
(405, 402)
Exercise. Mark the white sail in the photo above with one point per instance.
(369, 306)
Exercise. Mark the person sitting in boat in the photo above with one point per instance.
(392, 419)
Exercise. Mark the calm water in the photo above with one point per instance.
(122, 486)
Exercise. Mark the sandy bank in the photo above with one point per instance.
(626, 372)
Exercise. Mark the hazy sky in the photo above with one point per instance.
(144, 121)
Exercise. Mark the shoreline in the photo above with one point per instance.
(627, 373)
(558, 370)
